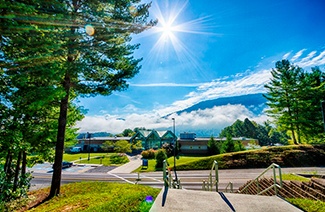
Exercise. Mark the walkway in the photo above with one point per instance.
(187, 200)
(135, 162)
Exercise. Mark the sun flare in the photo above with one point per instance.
(175, 34)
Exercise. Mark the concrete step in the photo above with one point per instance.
(188, 200)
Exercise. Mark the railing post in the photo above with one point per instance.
(217, 175)
(165, 178)
(210, 182)
(280, 175)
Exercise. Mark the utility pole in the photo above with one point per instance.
(323, 112)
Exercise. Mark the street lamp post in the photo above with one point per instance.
(175, 146)
(323, 112)
(88, 136)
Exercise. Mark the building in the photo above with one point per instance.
(96, 143)
(153, 139)
(190, 144)
(150, 139)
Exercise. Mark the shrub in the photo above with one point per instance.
(118, 159)
(160, 157)
(149, 154)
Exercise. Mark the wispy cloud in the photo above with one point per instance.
(249, 83)
(306, 61)
(168, 85)
(286, 56)
(297, 55)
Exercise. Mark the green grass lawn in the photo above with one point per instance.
(100, 196)
(106, 159)
(77, 156)
(308, 205)
(179, 161)
(294, 177)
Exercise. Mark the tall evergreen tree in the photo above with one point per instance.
(281, 96)
(294, 98)
(77, 47)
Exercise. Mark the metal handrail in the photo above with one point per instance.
(231, 187)
(275, 185)
(209, 184)
(168, 179)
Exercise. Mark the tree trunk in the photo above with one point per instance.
(17, 170)
(24, 164)
(7, 167)
(57, 168)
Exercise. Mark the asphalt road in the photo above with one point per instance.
(191, 180)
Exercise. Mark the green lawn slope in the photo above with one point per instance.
(285, 156)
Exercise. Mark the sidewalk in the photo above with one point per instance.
(135, 162)
(188, 201)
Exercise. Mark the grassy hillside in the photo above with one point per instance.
(286, 156)
(95, 196)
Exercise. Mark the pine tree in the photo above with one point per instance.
(281, 96)
(70, 48)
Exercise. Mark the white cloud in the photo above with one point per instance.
(167, 85)
(251, 82)
(311, 60)
(297, 55)
(214, 118)
(286, 56)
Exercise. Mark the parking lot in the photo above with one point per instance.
(47, 168)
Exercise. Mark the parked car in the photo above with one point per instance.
(75, 149)
(65, 164)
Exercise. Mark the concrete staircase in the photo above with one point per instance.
(186, 200)
(315, 189)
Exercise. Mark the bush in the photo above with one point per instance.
(160, 157)
(118, 159)
(148, 154)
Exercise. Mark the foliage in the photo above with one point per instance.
(294, 177)
(128, 133)
(7, 193)
(169, 148)
(228, 145)
(307, 204)
(99, 196)
(285, 156)
(149, 154)
(122, 146)
(108, 146)
(294, 97)
(136, 145)
(214, 147)
(266, 135)
(54, 51)
(118, 159)
(160, 157)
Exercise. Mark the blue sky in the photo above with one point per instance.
(203, 50)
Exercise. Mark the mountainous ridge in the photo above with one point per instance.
(256, 101)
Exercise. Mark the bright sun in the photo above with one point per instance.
(171, 31)
(166, 28)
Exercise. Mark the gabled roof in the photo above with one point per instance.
(147, 133)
